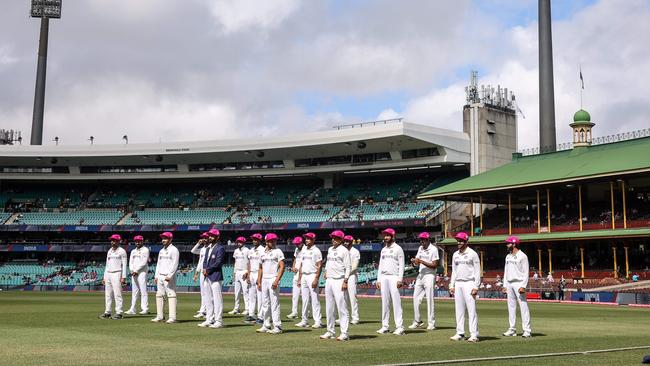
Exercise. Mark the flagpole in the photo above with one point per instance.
(582, 85)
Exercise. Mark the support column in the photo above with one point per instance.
(539, 261)
(580, 206)
(444, 219)
(627, 262)
(615, 264)
(550, 260)
(548, 209)
(509, 213)
(539, 215)
(480, 208)
(623, 193)
(582, 262)
(611, 195)
(446, 258)
(482, 253)
(471, 215)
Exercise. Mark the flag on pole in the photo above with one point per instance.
(582, 81)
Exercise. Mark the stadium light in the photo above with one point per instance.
(44, 9)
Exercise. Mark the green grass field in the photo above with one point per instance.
(62, 329)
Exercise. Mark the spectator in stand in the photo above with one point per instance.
(560, 291)
(535, 276)
(549, 278)
(635, 277)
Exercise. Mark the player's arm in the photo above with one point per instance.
(259, 276)
(354, 264)
(477, 274)
(400, 267)
(124, 265)
(174, 268)
(505, 275)
(299, 275)
(348, 268)
(319, 268)
(276, 283)
(144, 263)
(378, 283)
(526, 269)
(248, 267)
(105, 269)
(197, 248)
(452, 280)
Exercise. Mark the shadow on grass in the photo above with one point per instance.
(296, 330)
(366, 336)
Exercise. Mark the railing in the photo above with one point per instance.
(369, 123)
(624, 136)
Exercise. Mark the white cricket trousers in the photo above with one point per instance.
(139, 289)
(390, 296)
(515, 297)
(241, 290)
(270, 303)
(465, 301)
(424, 287)
(335, 299)
(295, 294)
(254, 297)
(214, 302)
(205, 288)
(165, 289)
(113, 290)
(351, 298)
(310, 295)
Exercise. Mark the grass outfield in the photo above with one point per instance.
(63, 329)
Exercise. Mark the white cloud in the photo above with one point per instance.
(238, 15)
(7, 57)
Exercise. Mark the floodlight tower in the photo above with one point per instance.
(44, 9)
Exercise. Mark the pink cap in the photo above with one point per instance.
(461, 236)
(424, 235)
(241, 239)
(297, 240)
(138, 238)
(214, 232)
(513, 240)
(256, 236)
(348, 238)
(115, 237)
(270, 236)
(311, 236)
(167, 235)
(389, 231)
(204, 235)
(337, 234)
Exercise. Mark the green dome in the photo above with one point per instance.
(581, 116)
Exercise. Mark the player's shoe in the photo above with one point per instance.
(259, 321)
(472, 339)
(105, 316)
(157, 320)
(171, 321)
(292, 316)
(302, 324)
(337, 322)
(327, 335)
(510, 333)
(144, 312)
(234, 312)
(354, 321)
(205, 324)
(199, 315)
(216, 325)
(263, 329)
(431, 327)
(457, 337)
(249, 320)
(117, 316)
(527, 335)
(317, 325)
(276, 330)
(130, 312)
(416, 325)
(383, 330)
(343, 338)
(399, 331)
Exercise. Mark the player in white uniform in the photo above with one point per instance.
(465, 279)
(139, 267)
(268, 280)
(165, 278)
(389, 280)
(240, 273)
(311, 264)
(200, 249)
(515, 281)
(427, 260)
(295, 289)
(351, 296)
(114, 277)
(254, 293)
(337, 276)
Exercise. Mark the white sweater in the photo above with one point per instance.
(391, 262)
(516, 269)
(466, 267)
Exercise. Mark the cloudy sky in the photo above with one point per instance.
(179, 70)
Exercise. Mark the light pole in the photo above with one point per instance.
(44, 9)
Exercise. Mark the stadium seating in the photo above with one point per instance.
(189, 217)
(383, 211)
(83, 217)
(285, 214)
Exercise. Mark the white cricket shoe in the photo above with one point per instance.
(431, 327)
(205, 324)
(527, 335)
(416, 325)
(292, 316)
(343, 337)
(129, 312)
(383, 330)
(216, 325)
(302, 324)
(354, 321)
(337, 322)
(199, 315)
(327, 335)
(510, 333)
(399, 331)
(317, 325)
(171, 321)
(276, 330)
(263, 329)
(234, 312)
(457, 337)
(472, 339)
(157, 320)
(144, 312)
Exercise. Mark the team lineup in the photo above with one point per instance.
(258, 271)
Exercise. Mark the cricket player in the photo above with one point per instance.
(215, 256)
(254, 293)
(427, 261)
(389, 280)
(241, 272)
(337, 276)
(165, 278)
(311, 264)
(139, 267)
(114, 277)
(351, 296)
(199, 249)
(296, 288)
(515, 281)
(464, 283)
(268, 281)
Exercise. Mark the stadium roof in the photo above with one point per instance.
(559, 236)
(613, 159)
